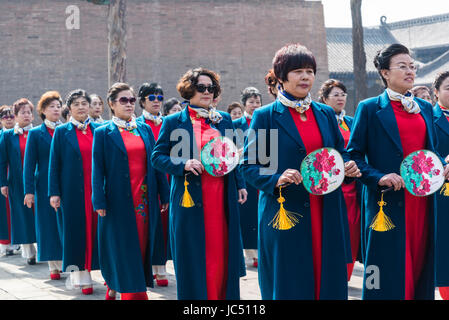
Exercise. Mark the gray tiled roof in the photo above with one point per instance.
(426, 73)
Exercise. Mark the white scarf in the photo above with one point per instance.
(79, 125)
(20, 131)
(301, 105)
(127, 125)
(156, 119)
(410, 105)
(340, 117)
(52, 125)
(97, 120)
(212, 114)
(247, 115)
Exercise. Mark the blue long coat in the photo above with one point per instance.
(35, 178)
(65, 179)
(285, 256)
(22, 218)
(187, 224)
(376, 147)
(119, 248)
(442, 214)
(4, 231)
(160, 251)
(248, 210)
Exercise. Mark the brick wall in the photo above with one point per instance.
(237, 39)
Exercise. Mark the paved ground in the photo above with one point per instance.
(19, 281)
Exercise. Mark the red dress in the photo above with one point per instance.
(412, 130)
(311, 137)
(352, 207)
(85, 139)
(215, 224)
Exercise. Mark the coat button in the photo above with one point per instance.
(399, 203)
(199, 205)
(197, 183)
(306, 204)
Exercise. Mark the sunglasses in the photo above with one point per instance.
(7, 117)
(153, 97)
(124, 100)
(202, 88)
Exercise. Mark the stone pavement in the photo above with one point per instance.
(20, 281)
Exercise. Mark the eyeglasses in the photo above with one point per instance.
(405, 68)
(124, 100)
(343, 95)
(202, 88)
(153, 97)
(8, 117)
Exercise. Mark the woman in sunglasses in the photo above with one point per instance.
(70, 189)
(205, 232)
(334, 93)
(306, 260)
(13, 144)
(7, 120)
(125, 195)
(35, 179)
(386, 129)
(151, 98)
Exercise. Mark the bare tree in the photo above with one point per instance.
(358, 52)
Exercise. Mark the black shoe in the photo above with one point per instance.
(9, 252)
(31, 261)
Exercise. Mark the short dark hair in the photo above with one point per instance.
(234, 105)
(250, 92)
(19, 104)
(291, 57)
(439, 79)
(383, 57)
(75, 94)
(114, 91)
(6, 110)
(148, 88)
(170, 104)
(45, 100)
(186, 85)
(327, 87)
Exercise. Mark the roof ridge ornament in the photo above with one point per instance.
(383, 20)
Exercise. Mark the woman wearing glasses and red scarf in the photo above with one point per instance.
(205, 231)
(7, 120)
(70, 187)
(125, 194)
(150, 99)
(333, 93)
(12, 153)
(399, 261)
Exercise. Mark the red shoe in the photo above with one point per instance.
(87, 291)
(162, 282)
(55, 276)
(255, 263)
(108, 297)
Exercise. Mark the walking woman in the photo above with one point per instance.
(251, 100)
(35, 177)
(13, 143)
(204, 233)
(70, 187)
(125, 194)
(307, 261)
(334, 93)
(386, 129)
(151, 98)
(441, 120)
(7, 119)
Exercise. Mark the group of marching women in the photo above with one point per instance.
(124, 194)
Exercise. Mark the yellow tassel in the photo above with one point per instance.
(445, 189)
(284, 220)
(381, 221)
(187, 201)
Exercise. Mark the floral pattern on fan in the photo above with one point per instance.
(422, 173)
(219, 156)
(322, 171)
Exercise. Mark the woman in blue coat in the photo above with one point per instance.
(441, 120)
(35, 179)
(69, 187)
(251, 100)
(399, 260)
(307, 260)
(204, 232)
(13, 143)
(128, 215)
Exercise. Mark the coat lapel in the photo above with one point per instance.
(285, 122)
(71, 137)
(440, 120)
(45, 134)
(116, 137)
(322, 122)
(388, 120)
(16, 144)
(146, 140)
(185, 123)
